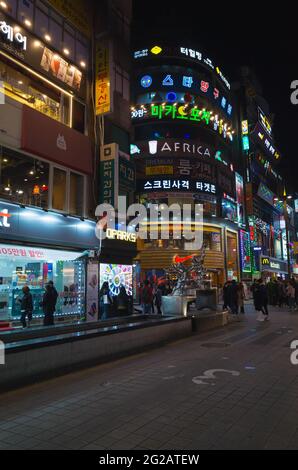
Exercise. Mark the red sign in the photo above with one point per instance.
(55, 142)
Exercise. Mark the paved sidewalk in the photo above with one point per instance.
(165, 399)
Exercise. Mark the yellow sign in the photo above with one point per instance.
(295, 248)
(159, 170)
(102, 84)
(156, 50)
(76, 12)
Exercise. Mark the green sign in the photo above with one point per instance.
(180, 112)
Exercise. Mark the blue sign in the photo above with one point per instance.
(171, 97)
(187, 81)
(35, 226)
(245, 142)
(168, 81)
(146, 81)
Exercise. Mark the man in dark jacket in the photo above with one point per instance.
(49, 304)
(26, 306)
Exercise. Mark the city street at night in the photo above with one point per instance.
(155, 400)
(148, 231)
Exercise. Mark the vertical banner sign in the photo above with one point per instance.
(240, 199)
(103, 97)
(109, 174)
(92, 292)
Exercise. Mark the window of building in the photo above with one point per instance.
(26, 89)
(212, 240)
(23, 180)
(232, 256)
(12, 7)
(122, 82)
(78, 116)
(76, 194)
(41, 25)
(26, 11)
(59, 201)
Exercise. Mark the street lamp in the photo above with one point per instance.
(284, 201)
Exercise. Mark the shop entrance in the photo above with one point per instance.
(34, 267)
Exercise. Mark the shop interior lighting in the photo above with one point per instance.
(3, 5)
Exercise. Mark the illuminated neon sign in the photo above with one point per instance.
(146, 81)
(10, 35)
(5, 216)
(121, 235)
(180, 185)
(265, 122)
(172, 112)
(185, 51)
(194, 114)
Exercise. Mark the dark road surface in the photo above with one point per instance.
(233, 388)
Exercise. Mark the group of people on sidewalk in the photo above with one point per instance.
(151, 296)
(233, 297)
(109, 305)
(48, 305)
(276, 292)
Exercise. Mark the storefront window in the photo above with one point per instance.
(232, 256)
(59, 190)
(35, 267)
(23, 180)
(76, 196)
(32, 92)
(212, 240)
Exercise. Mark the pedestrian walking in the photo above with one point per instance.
(240, 297)
(226, 295)
(261, 300)
(49, 304)
(26, 307)
(158, 299)
(147, 298)
(233, 297)
(105, 300)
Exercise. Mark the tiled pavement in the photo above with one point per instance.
(149, 401)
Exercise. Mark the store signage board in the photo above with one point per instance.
(28, 49)
(103, 89)
(170, 147)
(186, 86)
(9, 34)
(262, 138)
(31, 225)
(5, 218)
(272, 264)
(265, 122)
(180, 52)
(121, 235)
(181, 185)
(182, 113)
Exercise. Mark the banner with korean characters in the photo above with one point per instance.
(192, 168)
(103, 87)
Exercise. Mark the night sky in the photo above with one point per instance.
(263, 38)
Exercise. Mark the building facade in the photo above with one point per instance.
(186, 150)
(265, 252)
(47, 153)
